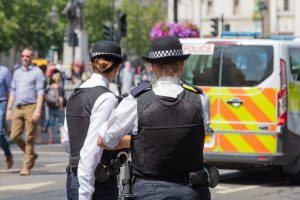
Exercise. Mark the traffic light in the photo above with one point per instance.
(122, 24)
(215, 26)
(108, 32)
(227, 27)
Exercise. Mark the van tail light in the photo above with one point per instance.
(282, 95)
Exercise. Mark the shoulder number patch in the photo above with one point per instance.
(192, 88)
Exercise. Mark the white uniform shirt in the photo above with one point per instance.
(90, 153)
(123, 119)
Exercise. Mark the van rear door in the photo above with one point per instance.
(247, 107)
(243, 111)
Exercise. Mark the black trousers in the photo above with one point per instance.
(107, 190)
(103, 191)
(158, 190)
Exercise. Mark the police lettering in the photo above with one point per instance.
(199, 49)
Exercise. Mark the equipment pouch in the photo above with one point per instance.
(208, 176)
(213, 175)
(102, 173)
(198, 178)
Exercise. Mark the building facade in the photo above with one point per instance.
(270, 17)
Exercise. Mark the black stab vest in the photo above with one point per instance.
(170, 138)
(78, 111)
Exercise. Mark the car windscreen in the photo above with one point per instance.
(230, 65)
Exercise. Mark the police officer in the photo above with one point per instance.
(167, 122)
(87, 108)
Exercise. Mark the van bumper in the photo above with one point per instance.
(236, 161)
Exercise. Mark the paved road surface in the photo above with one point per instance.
(48, 178)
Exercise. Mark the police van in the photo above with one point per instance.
(254, 90)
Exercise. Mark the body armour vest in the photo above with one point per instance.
(78, 112)
(170, 138)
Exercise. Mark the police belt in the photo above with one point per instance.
(207, 176)
(103, 171)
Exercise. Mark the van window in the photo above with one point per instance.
(240, 66)
(295, 63)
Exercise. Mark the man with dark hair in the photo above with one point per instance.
(166, 122)
(27, 92)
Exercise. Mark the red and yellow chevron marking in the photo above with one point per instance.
(244, 143)
(214, 100)
(258, 108)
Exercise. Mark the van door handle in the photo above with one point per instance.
(263, 127)
(236, 102)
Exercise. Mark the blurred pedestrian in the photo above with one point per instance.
(77, 71)
(54, 98)
(126, 75)
(147, 74)
(5, 81)
(87, 108)
(27, 92)
(16, 66)
(38, 138)
(167, 124)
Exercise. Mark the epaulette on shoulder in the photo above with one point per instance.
(191, 88)
(138, 90)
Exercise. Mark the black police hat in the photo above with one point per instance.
(107, 50)
(165, 49)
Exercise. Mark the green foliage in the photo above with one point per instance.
(96, 13)
(256, 16)
(8, 25)
(27, 23)
(140, 20)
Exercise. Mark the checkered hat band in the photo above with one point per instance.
(104, 53)
(166, 53)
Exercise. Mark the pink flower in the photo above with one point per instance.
(186, 30)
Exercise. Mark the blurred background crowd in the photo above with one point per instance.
(49, 131)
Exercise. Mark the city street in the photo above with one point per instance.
(47, 180)
(223, 76)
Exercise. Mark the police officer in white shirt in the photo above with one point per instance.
(166, 122)
(87, 109)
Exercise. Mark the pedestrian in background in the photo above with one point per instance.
(146, 74)
(38, 139)
(54, 98)
(126, 75)
(5, 81)
(167, 125)
(27, 92)
(87, 108)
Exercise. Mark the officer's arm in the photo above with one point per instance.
(123, 144)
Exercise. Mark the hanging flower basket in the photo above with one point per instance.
(185, 30)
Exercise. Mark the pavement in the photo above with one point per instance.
(47, 178)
